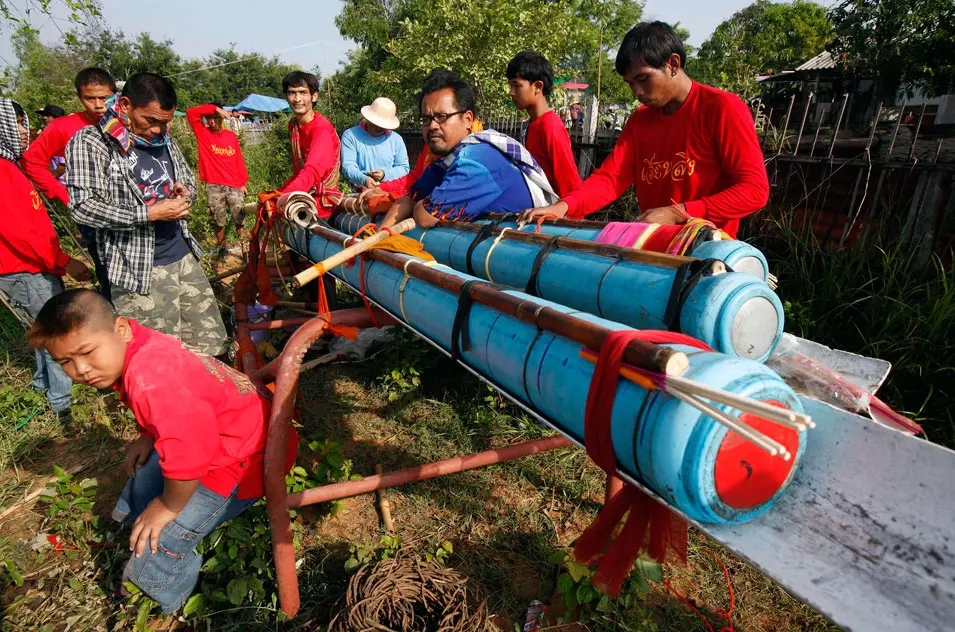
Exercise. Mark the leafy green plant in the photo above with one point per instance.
(362, 553)
(409, 358)
(627, 612)
(441, 553)
(69, 505)
(238, 567)
(19, 405)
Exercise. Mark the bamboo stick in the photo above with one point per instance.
(773, 447)
(739, 402)
(384, 505)
(354, 250)
(658, 259)
(771, 413)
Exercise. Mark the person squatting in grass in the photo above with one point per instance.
(530, 80)
(31, 260)
(93, 87)
(198, 460)
(690, 150)
(127, 177)
(221, 167)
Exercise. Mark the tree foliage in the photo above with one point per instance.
(44, 74)
(401, 41)
(761, 38)
(905, 43)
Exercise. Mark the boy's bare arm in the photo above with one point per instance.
(176, 494)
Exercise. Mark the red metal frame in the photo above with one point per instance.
(284, 371)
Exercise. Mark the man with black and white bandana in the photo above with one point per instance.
(127, 178)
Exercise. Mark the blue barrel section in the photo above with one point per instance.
(694, 463)
(734, 313)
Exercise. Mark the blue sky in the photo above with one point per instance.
(198, 27)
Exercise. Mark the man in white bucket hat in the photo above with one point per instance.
(371, 152)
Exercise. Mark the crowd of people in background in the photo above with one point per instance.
(153, 330)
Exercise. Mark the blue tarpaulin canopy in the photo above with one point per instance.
(262, 103)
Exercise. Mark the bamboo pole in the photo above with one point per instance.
(658, 259)
(320, 268)
(656, 358)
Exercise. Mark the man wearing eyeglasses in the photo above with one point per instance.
(473, 174)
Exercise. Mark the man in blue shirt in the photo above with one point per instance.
(474, 174)
(371, 152)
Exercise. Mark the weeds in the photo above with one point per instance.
(70, 504)
(875, 303)
(584, 602)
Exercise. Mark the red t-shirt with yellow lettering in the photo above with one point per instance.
(220, 156)
(706, 156)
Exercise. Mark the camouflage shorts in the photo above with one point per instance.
(180, 303)
(222, 201)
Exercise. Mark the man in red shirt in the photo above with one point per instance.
(690, 150)
(198, 460)
(93, 87)
(530, 78)
(31, 261)
(221, 167)
(315, 144)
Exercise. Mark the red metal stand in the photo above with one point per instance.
(284, 371)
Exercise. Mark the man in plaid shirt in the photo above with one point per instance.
(127, 178)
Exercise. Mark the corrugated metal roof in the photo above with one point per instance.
(822, 61)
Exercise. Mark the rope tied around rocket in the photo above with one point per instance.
(650, 526)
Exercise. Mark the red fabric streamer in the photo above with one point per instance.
(255, 281)
(650, 525)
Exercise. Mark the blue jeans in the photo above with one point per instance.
(88, 234)
(170, 574)
(28, 292)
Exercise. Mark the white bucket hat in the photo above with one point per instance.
(381, 112)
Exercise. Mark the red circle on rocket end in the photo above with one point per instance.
(746, 476)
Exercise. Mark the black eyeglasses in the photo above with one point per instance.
(440, 117)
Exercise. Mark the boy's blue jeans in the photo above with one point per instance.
(170, 574)
(28, 293)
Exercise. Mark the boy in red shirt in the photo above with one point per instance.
(221, 167)
(316, 149)
(198, 461)
(93, 87)
(690, 150)
(530, 78)
(31, 261)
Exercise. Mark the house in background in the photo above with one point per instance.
(823, 77)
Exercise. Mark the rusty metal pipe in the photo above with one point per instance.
(355, 317)
(276, 494)
(368, 484)
(280, 420)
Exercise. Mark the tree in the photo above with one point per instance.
(80, 11)
(478, 43)
(760, 38)
(42, 75)
(604, 24)
(904, 44)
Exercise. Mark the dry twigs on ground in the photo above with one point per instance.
(406, 594)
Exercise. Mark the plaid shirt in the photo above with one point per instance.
(104, 195)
